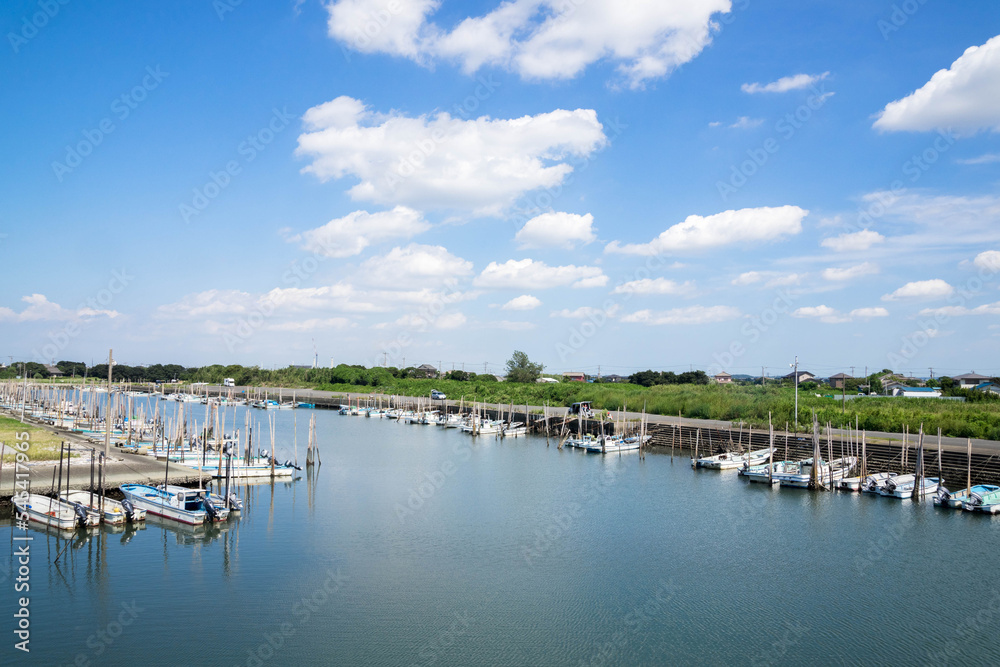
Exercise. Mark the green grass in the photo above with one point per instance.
(750, 404)
(43, 445)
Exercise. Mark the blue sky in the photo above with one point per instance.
(617, 184)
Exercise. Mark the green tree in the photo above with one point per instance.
(520, 368)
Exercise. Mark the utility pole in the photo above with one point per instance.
(762, 376)
(796, 367)
(598, 372)
(107, 413)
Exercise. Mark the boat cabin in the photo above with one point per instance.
(582, 408)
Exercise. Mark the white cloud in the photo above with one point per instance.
(833, 316)
(523, 302)
(450, 321)
(655, 286)
(865, 313)
(729, 227)
(689, 315)
(538, 39)
(785, 280)
(921, 289)
(784, 84)
(312, 324)
(350, 235)
(959, 311)
(988, 158)
(746, 123)
(529, 274)
(748, 278)
(480, 165)
(853, 242)
(988, 259)
(209, 303)
(562, 230)
(420, 264)
(850, 272)
(585, 312)
(40, 309)
(963, 99)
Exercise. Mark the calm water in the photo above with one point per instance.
(416, 545)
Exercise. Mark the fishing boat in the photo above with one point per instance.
(986, 501)
(214, 505)
(612, 445)
(889, 488)
(55, 513)
(765, 474)
(514, 429)
(874, 483)
(115, 512)
(729, 460)
(828, 473)
(908, 489)
(186, 507)
(954, 500)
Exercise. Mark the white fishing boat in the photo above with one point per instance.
(514, 430)
(730, 460)
(827, 474)
(765, 474)
(874, 483)
(181, 507)
(889, 487)
(906, 490)
(55, 513)
(850, 484)
(115, 512)
(214, 506)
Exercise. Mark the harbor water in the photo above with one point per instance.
(418, 545)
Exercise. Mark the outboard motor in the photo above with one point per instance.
(81, 514)
(234, 501)
(129, 509)
(211, 510)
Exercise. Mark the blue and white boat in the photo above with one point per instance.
(954, 500)
(187, 506)
(985, 501)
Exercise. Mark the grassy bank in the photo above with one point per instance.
(733, 403)
(43, 445)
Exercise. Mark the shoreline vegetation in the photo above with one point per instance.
(689, 394)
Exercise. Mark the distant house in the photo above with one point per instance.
(839, 381)
(804, 376)
(613, 378)
(969, 380)
(723, 378)
(427, 371)
(916, 392)
(574, 376)
(989, 387)
(54, 371)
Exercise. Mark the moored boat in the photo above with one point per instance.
(828, 473)
(114, 513)
(56, 513)
(729, 460)
(954, 500)
(984, 501)
(184, 507)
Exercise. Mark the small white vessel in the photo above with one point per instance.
(56, 513)
(729, 460)
(115, 512)
(827, 474)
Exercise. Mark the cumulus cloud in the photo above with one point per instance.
(689, 315)
(527, 273)
(481, 165)
(729, 227)
(748, 278)
(558, 230)
(921, 289)
(746, 123)
(963, 98)
(784, 84)
(986, 158)
(350, 235)
(853, 242)
(414, 264)
(988, 259)
(655, 286)
(538, 39)
(850, 272)
(523, 302)
(40, 309)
